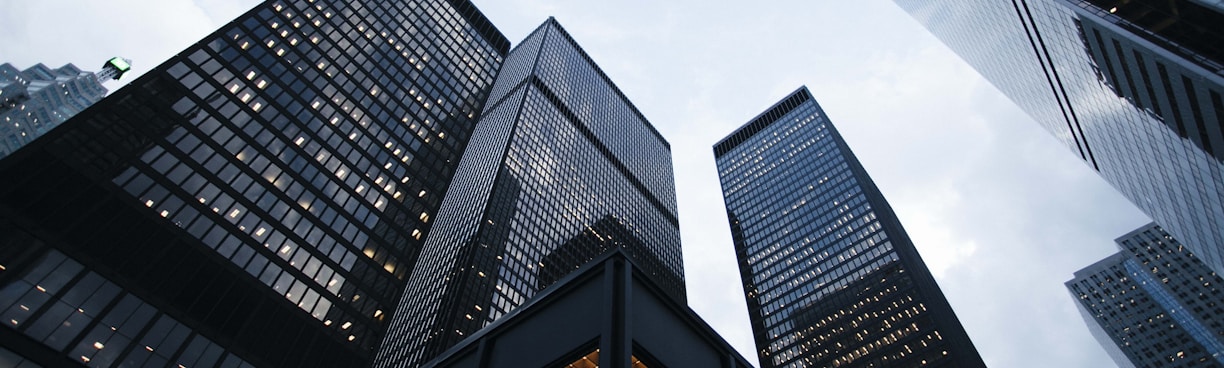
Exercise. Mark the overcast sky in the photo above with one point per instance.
(1002, 213)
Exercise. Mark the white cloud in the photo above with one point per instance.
(222, 11)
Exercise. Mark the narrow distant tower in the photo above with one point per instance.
(830, 276)
(1154, 303)
(35, 100)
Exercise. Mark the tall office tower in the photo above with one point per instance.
(259, 199)
(560, 167)
(830, 276)
(1133, 87)
(37, 99)
(1153, 304)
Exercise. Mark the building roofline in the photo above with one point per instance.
(1133, 233)
(482, 24)
(564, 33)
(1095, 267)
(763, 120)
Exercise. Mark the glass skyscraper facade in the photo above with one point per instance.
(1153, 304)
(35, 100)
(1134, 88)
(830, 276)
(560, 167)
(257, 200)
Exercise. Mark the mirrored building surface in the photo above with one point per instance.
(830, 276)
(560, 168)
(1132, 87)
(257, 200)
(1153, 304)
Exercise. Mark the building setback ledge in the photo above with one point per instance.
(606, 314)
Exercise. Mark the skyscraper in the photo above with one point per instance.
(1133, 87)
(830, 276)
(1153, 304)
(560, 166)
(37, 99)
(259, 199)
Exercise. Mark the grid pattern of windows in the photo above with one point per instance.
(58, 302)
(364, 143)
(1154, 304)
(1187, 28)
(303, 149)
(1123, 85)
(561, 167)
(831, 279)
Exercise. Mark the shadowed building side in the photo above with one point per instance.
(603, 236)
(472, 282)
(256, 200)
